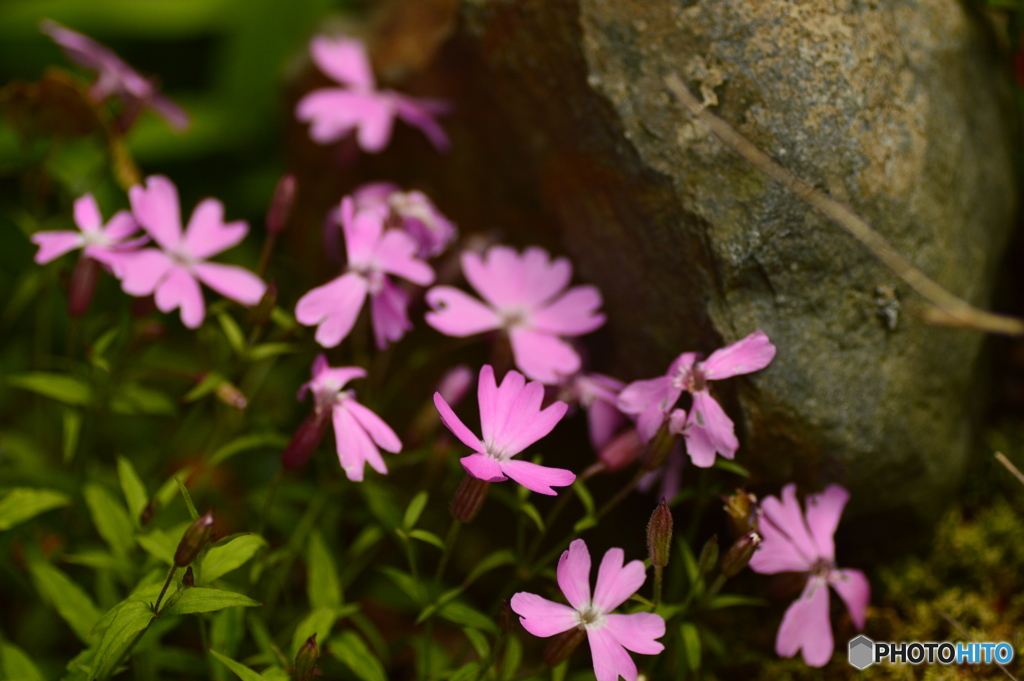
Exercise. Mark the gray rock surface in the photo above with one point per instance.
(899, 107)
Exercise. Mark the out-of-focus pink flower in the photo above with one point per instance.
(411, 211)
(359, 106)
(795, 541)
(670, 474)
(708, 429)
(373, 253)
(455, 383)
(526, 298)
(101, 243)
(173, 271)
(598, 395)
(609, 635)
(358, 432)
(511, 420)
(114, 76)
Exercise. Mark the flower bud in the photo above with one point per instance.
(82, 287)
(305, 660)
(708, 556)
(659, 535)
(230, 395)
(147, 513)
(306, 439)
(658, 448)
(281, 204)
(505, 618)
(742, 510)
(455, 383)
(188, 580)
(563, 645)
(621, 451)
(740, 553)
(469, 498)
(261, 314)
(196, 537)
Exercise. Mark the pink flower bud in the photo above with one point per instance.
(281, 204)
(82, 287)
(306, 439)
(659, 535)
(469, 498)
(196, 537)
(455, 383)
(621, 451)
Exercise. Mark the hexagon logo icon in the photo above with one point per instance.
(862, 652)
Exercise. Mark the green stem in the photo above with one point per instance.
(556, 510)
(269, 500)
(449, 544)
(657, 584)
(167, 583)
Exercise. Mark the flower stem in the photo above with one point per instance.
(449, 544)
(657, 584)
(167, 583)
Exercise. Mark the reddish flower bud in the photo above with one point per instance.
(658, 448)
(196, 537)
(82, 286)
(261, 314)
(306, 439)
(739, 554)
(305, 660)
(505, 618)
(708, 556)
(281, 204)
(623, 450)
(469, 498)
(188, 580)
(147, 513)
(562, 645)
(659, 535)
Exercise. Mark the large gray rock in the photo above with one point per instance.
(898, 107)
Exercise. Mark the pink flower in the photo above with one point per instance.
(373, 253)
(526, 298)
(794, 541)
(707, 428)
(413, 212)
(358, 432)
(598, 395)
(610, 635)
(359, 106)
(173, 271)
(101, 243)
(511, 420)
(115, 77)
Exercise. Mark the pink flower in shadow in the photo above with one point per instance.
(373, 254)
(525, 297)
(174, 270)
(795, 541)
(609, 635)
(411, 211)
(101, 243)
(511, 420)
(359, 106)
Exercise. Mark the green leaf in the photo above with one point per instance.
(404, 581)
(16, 665)
(414, 510)
(134, 490)
(479, 642)
(442, 600)
(236, 339)
(104, 341)
(240, 670)
(353, 653)
(691, 645)
(734, 601)
(267, 350)
(689, 562)
(227, 631)
(72, 429)
(513, 658)
(223, 558)
(533, 514)
(70, 600)
(318, 622)
(61, 387)
(270, 440)
(732, 467)
(585, 497)
(584, 523)
(188, 499)
(129, 622)
(460, 613)
(161, 544)
(200, 599)
(98, 560)
(110, 518)
(428, 537)
(209, 384)
(322, 584)
(23, 503)
(494, 560)
(467, 672)
(132, 398)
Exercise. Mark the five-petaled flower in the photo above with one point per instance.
(511, 420)
(114, 76)
(609, 635)
(101, 243)
(598, 395)
(358, 432)
(359, 106)
(173, 271)
(412, 211)
(373, 253)
(794, 541)
(526, 298)
(707, 427)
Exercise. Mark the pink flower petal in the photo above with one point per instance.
(518, 424)
(496, 276)
(334, 306)
(655, 392)
(543, 357)
(52, 245)
(413, 112)
(610, 659)
(753, 353)
(377, 120)
(542, 617)
(574, 574)
(454, 424)
(236, 283)
(155, 206)
(179, 289)
(141, 271)
(375, 427)
(616, 583)
(787, 545)
(709, 428)
(637, 632)
(700, 447)
(572, 314)
(541, 277)
(333, 113)
(457, 314)
(603, 421)
(806, 626)
(396, 254)
(853, 587)
(171, 112)
(344, 59)
(207, 234)
(649, 423)
(355, 448)
(539, 479)
(121, 226)
(483, 467)
(496, 402)
(388, 311)
(87, 214)
(363, 229)
(823, 512)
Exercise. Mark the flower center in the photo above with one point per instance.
(591, 617)
(822, 567)
(513, 317)
(690, 378)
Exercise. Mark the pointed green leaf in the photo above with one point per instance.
(72, 603)
(161, 544)
(354, 654)
(735, 600)
(479, 642)
(72, 429)
(266, 350)
(318, 622)
(513, 658)
(129, 622)
(414, 510)
(132, 398)
(111, 518)
(236, 339)
(134, 490)
(240, 670)
(61, 387)
(223, 558)
(23, 503)
(199, 599)
(461, 613)
(16, 665)
(270, 440)
(533, 514)
(188, 499)
(428, 537)
(467, 672)
(494, 560)
(322, 584)
(209, 384)
(691, 645)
